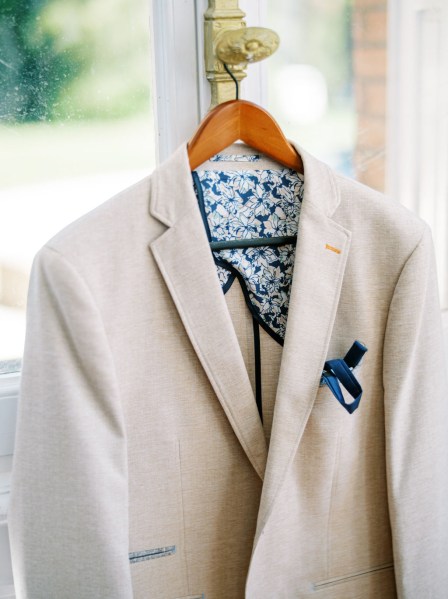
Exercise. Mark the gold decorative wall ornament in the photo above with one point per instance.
(227, 40)
(246, 45)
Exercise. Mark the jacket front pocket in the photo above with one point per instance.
(139, 556)
(155, 495)
(330, 582)
(156, 540)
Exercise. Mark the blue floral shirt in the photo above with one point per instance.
(245, 204)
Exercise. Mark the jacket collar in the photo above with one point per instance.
(183, 256)
(173, 194)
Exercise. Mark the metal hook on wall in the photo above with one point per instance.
(227, 41)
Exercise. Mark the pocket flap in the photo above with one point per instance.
(139, 556)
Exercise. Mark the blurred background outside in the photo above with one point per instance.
(327, 81)
(76, 126)
(76, 112)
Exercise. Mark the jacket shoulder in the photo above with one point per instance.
(111, 226)
(381, 216)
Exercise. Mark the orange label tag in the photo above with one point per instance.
(333, 249)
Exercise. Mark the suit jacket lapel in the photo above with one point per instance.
(183, 255)
(321, 256)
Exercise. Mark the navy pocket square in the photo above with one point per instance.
(340, 370)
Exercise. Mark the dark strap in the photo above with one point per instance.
(252, 242)
(257, 353)
(340, 370)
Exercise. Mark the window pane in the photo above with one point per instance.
(76, 126)
(327, 81)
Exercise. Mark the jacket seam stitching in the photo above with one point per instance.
(115, 381)
(425, 228)
(330, 508)
(335, 188)
(94, 303)
(183, 515)
(153, 202)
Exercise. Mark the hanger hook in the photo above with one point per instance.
(233, 77)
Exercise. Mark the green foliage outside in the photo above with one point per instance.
(73, 59)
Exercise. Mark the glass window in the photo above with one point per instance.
(327, 81)
(76, 126)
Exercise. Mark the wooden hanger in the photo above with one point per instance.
(241, 120)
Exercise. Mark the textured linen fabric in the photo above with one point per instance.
(141, 467)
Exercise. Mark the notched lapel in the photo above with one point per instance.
(183, 255)
(322, 251)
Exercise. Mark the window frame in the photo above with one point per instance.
(417, 125)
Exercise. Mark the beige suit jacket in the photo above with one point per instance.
(141, 467)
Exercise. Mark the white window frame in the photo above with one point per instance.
(417, 128)
(9, 392)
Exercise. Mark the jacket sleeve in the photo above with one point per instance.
(416, 420)
(68, 512)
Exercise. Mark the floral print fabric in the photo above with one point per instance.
(249, 204)
(235, 158)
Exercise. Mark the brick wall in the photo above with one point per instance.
(369, 30)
